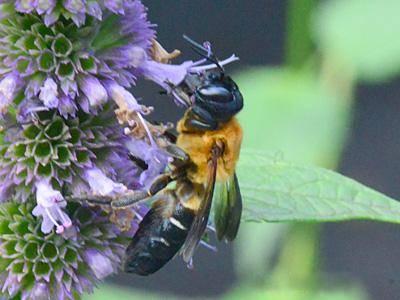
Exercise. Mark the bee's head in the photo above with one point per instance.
(220, 96)
(217, 98)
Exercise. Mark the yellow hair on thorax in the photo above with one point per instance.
(198, 145)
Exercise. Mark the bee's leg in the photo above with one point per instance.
(129, 199)
(91, 199)
(177, 153)
(201, 119)
(134, 197)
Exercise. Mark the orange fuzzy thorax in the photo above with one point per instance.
(198, 145)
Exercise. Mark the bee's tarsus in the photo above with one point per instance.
(91, 199)
(177, 153)
(129, 199)
(160, 183)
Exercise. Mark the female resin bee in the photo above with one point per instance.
(204, 159)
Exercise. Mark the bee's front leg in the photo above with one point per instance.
(133, 197)
(201, 119)
(177, 153)
(91, 200)
(129, 199)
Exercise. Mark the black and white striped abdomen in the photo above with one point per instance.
(159, 238)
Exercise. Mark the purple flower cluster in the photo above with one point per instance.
(61, 62)
(61, 65)
(77, 10)
(58, 266)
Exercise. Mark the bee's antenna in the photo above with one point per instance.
(204, 52)
(195, 44)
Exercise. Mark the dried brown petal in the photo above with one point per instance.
(159, 54)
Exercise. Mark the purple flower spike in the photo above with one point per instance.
(54, 266)
(70, 129)
(68, 60)
(49, 205)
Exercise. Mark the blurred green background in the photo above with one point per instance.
(321, 87)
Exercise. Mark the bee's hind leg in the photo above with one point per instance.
(134, 197)
(128, 199)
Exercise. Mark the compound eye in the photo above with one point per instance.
(215, 93)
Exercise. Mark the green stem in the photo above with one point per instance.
(299, 44)
(298, 262)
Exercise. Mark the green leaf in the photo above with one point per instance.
(362, 35)
(277, 191)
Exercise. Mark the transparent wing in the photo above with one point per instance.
(227, 209)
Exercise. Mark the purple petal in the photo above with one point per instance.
(94, 9)
(45, 6)
(8, 87)
(49, 93)
(67, 106)
(49, 206)
(100, 184)
(122, 97)
(75, 6)
(40, 291)
(93, 90)
(155, 158)
(51, 18)
(115, 6)
(100, 264)
(25, 6)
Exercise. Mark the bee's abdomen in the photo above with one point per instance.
(158, 239)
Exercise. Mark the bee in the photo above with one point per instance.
(204, 156)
